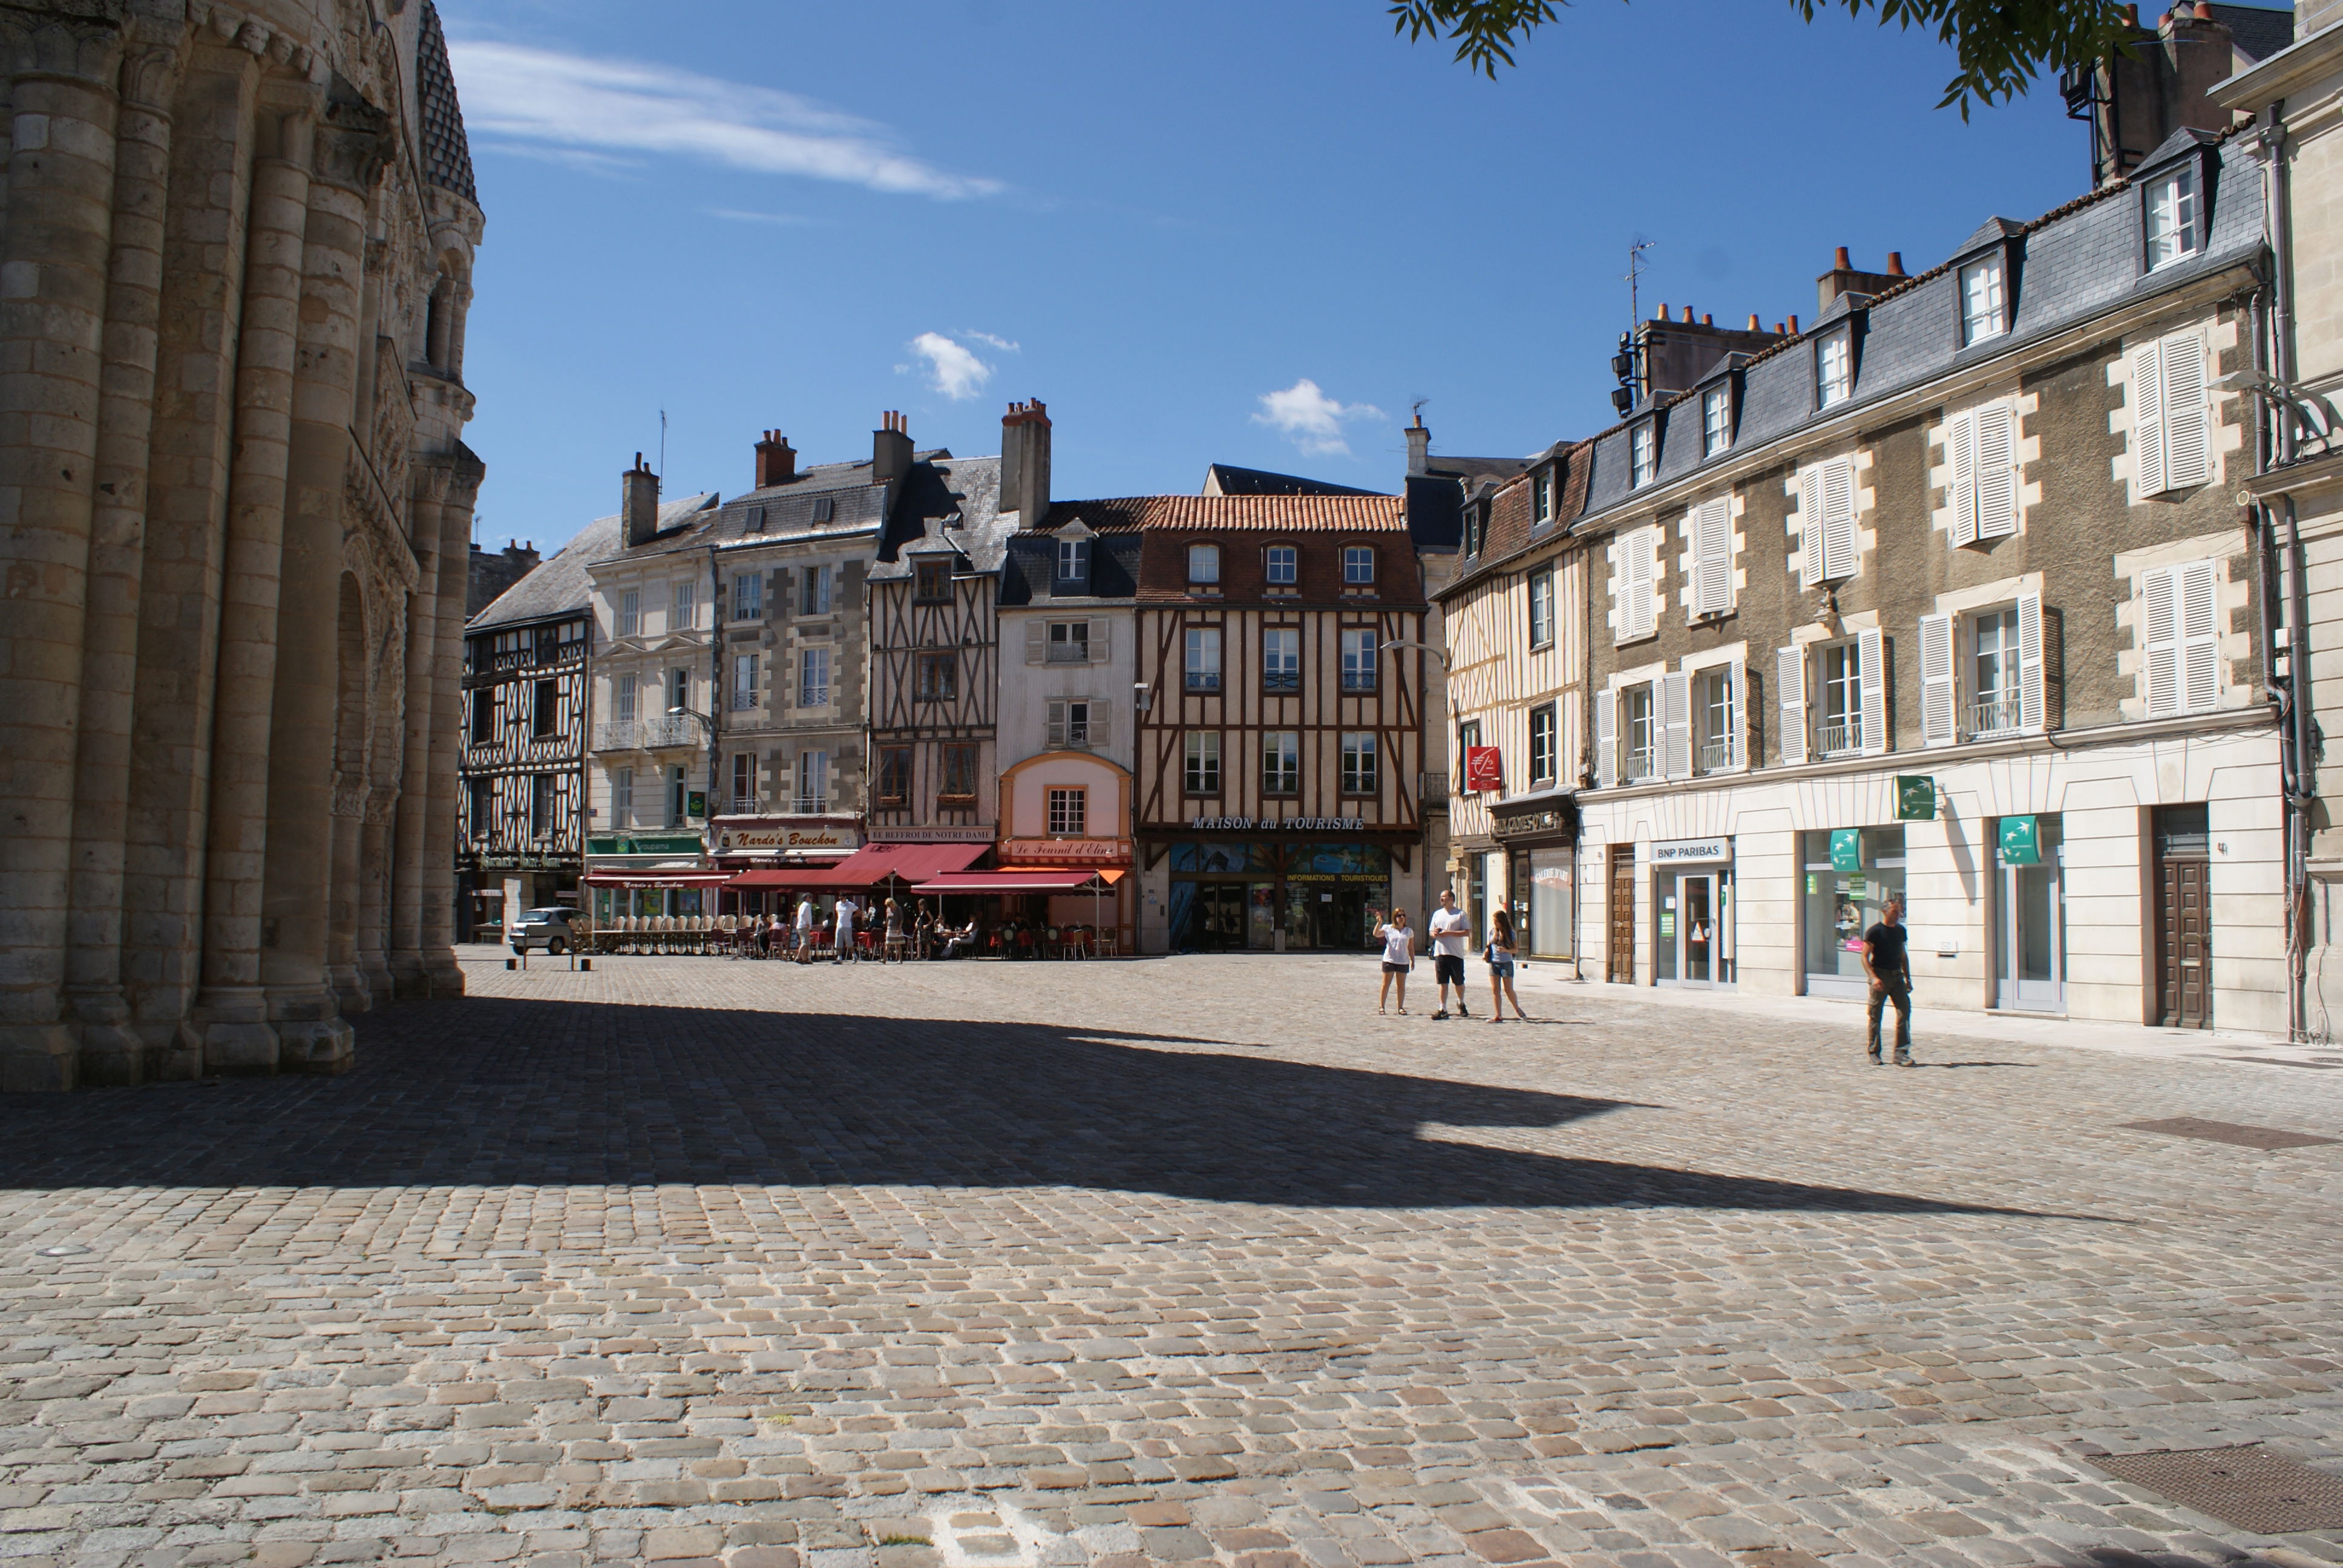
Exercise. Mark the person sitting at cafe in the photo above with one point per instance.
(958, 940)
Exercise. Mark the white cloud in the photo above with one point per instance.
(1004, 345)
(958, 372)
(1310, 420)
(735, 215)
(515, 94)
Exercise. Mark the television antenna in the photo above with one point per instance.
(1635, 277)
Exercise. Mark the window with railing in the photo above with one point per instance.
(1203, 666)
(1281, 762)
(1718, 705)
(1358, 776)
(1639, 752)
(813, 677)
(1996, 708)
(1841, 709)
(744, 681)
(813, 783)
(1070, 642)
(744, 783)
(1280, 658)
(1359, 649)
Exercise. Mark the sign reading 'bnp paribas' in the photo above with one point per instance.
(1281, 824)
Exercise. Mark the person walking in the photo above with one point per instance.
(841, 936)
(1889, 965)
(893, 951)
(1499, 956)
(1399, 957)
(805, 929)
(1450, 929)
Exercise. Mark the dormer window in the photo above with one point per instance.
(1835, 368)
(2171, 217)
(1357, 566)
(1477, 531)
(1715, 420)
(1642, 456)
(1204, 565)
(1073, 561)
(1282, 565)
(1984, 301)
(825, 509)
(932, 582)
(1541, 498)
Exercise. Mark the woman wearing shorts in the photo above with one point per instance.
(1499, 955)
(1399, 957)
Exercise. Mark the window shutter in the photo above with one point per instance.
(1037, 641)
(2147, 421)
(1810, 529)
(1054, 735)
(1606, 739)
(1101, 629)
(1741, 754)
(1960, 445)
(1712, 563)
(2200, 636)
(1790, 691)
(1937, 722)
(1838, 519)
(1100, 730)
(1647, 568)
(2160, 589)
(1874, 645)
(2031, 709)
(2187, 435)
(1675, 726)
(1996, 471)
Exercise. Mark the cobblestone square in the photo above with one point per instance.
(691, 1259)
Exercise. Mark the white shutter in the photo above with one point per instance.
(1675, 726)
(2147, 421)
(1810, 529)
(1996, 471)
(2201, 637)
(1647, 610)
(1054, 735)
(1938, 722)
(1740, 735)
(2032, 713)
(1037, 643)
(1637, 553)
(2160, 635)
(1101, 629)
(1606, 739)
(1712, 558)
(1790, 691)
(1100, 732)
(1838, 519)
(2187, 436)
(1873, 644)
(1960, 448)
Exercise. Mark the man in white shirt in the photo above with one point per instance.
(1450, 929)
(841, 936)
(805, 928)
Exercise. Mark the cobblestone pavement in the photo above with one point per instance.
(971, 1265)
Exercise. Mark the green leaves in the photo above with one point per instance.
(2003, 46)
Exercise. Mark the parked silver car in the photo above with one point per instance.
(547, 927)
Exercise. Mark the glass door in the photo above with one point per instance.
(1697, 929)
(2031, 941)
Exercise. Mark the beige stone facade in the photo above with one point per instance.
(234, 264)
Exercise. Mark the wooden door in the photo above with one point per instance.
(2185, 931)
(1620, 966)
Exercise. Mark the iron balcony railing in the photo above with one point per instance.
(1642, 763)
(1993, 716)
(1716, 756)
(646, 734)
(1841, 736)
(1203, 680)
(810, 805)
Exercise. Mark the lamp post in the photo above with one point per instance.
(708, 724)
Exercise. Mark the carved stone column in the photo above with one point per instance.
(447, 738)
(373, 893)
(53, 296)
(342, 896)
(111, 1051)
(306, 802)
(231, 1013)
(430, 478)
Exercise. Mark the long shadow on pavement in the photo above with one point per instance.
(494, 1091)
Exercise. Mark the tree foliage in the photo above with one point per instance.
(2003, 46)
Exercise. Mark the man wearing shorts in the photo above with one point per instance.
(1450, 932)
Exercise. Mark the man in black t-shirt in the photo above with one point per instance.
(1883, 960)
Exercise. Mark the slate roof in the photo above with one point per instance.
(785, 513)
(447, 151)
(1474, 470)
(559, 587)
(1025, 574)
(945, 502)
(2257, 31)
(2076, 263)
(1348, 512)
(1232, 480)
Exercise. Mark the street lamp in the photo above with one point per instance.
(1421, 647)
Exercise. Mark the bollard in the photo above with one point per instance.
(586, 966)
(512, 963)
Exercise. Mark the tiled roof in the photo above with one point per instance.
(447, 151)
(1284, 513)
(559, 587)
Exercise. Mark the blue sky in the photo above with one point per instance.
(1200, 231)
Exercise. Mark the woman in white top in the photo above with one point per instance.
(1399, 957)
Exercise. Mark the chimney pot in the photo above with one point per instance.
(1840, 263)
(1663, 316)
(1895, 263)
(776, 461)
(1752, 323)
(1687, 315)
(1706, 319)
(1793, 326)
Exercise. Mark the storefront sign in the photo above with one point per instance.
(1278, 824)
(2021, 842)
(1847, 848)
(1691, 851)
(1063, 852)
(1915, 799)
(1484, 770)
(645, 844)
(777, 835)
(695, 803)
(981, 834)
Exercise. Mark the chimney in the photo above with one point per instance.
(1025, 462)
(1419, 446)
(1845, 277)
(777, 461)
(639, 503)
(890, 448)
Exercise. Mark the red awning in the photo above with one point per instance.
(1007, 882)
(874, 863)
(784, 877)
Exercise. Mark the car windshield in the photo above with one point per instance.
(547, 915)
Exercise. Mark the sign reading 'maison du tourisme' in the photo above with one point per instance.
(1279, 824)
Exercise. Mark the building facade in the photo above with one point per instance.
(1279, 761)
(239, 245)
(1949, 597)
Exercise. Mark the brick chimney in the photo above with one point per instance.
(639, 503)
(890, 448)
(1845, 277)
(1025, 462)
(777, 461)
(1419, 446)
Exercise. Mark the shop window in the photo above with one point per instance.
(1849, 874)
(1359, 777)
(1359, 649)
(1280, 658)
(932, 582)
(1069, 813)
(1201, 773)
(959, 760)
(939, 676)
(894, 775)
(1203, 666)
(1281, 762)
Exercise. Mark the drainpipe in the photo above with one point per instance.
(716, 698)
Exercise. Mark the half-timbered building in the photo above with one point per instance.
(1279, 758)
